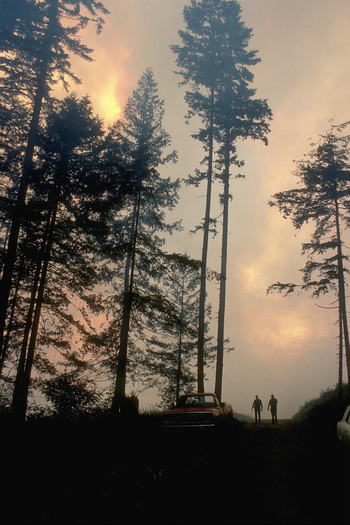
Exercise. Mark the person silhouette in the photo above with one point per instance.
(273, 408)
(258, 406)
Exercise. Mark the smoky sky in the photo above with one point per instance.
(284, 346)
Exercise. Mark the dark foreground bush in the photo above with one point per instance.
(324, 411)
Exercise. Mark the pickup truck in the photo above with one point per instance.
(198, 411)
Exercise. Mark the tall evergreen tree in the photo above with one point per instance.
(141, 131)
(214, 62)
(199, 65)
(238, 115)
(323, 197)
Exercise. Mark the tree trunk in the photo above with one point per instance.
(340, 367)
(26, 335)
(203, 278)
(179, 356)
(120, 384)
(11, 317)
(34, 330)
(342, 297)
(223, 273)
(24, 368)
(16, 409)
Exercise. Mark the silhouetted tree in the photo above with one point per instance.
(238, 116)
(170, 360)
(323, 197)
(144, 140)
(213, 61)
(199, 65)
(37, 55)
(64, 167)
(70, 395)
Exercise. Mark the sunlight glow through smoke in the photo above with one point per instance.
(108, 105)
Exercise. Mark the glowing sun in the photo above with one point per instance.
(110, 109)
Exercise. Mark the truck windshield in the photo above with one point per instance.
(195, 401)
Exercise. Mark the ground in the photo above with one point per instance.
(136, 472)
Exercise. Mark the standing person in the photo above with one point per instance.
(258, 406)
(273, 406)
